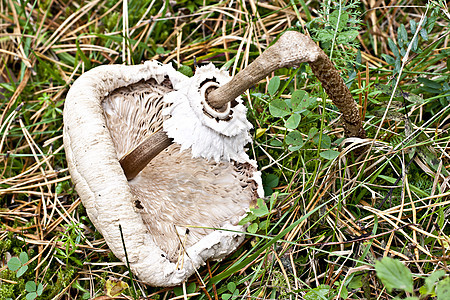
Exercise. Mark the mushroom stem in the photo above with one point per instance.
(292, 49)
(137, 159)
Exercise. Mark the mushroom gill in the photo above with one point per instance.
(180, 198)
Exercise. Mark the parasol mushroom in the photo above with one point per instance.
(163, 155)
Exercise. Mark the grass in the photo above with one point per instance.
(331, 216)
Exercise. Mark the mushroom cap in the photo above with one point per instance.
(157, 206)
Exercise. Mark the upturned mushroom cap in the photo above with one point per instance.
(173, 192)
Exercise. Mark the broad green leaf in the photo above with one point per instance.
(261, 210)
(431, 280)
(23, 256)
(252, 228)
(40, 289)
(14, 264)
(264, 225)
(31, 296)
(273, 85)
(312, 132)
(415, 44)
(326, 141)
(443, 289)
(393, 48)
(276, 143)
(413, 26)
(191, 288)
(271, 180)
(394, 275)
(325, 36)
(347, 36)
(387, 58)
(21, 271)
(397, 64)
(294, 138)
(344, 293)
(300, 100)
(30, 286)
(226, 296)
(424, 34)
(402, 35)
(250, 217)
(279, 108)
(293, 121)
(294, 148)
(329, 154)
(319, 293)
(355, 283)
(358, 57)
(231, 286)
(430, 83)
(186, 70)
(339, 19)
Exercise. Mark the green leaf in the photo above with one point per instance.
(191, 288)
(312, 132)
(186, 70)
(430, 281)
(23, 256)
(14, 264)
(339, 19)
(273, 85)
(394, 275)
(347, 36)
(293, 121)
(40, 289)
(253, 228)
(300, 100)
(294, 138)
(276, 143)
(30, 286)
(325, 36)
(443, 289)
(279, 108)
(413, 26)
(393, 47)
(431, 84)
(248, 218)
(424, 34)
(271, 180)
(355, 283)
(21, 271)
(231, 286)
(344, 293)
(319, 293)
(31, 296)
(226, 296)
(402, 35)
(264, 225)
(261, 210)
(329, 154)
(326, 141)
(389, 59)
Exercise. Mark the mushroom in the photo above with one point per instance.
(163, 155)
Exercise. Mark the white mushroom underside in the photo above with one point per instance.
(175, 191)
